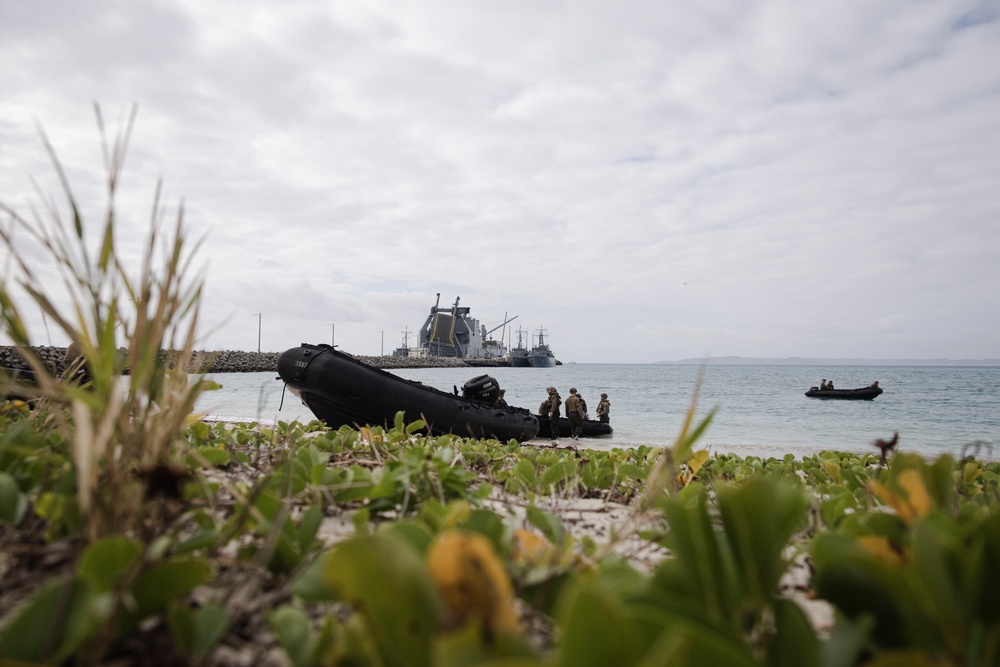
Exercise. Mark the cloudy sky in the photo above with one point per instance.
(644, 180)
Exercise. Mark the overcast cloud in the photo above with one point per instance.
(645, 180)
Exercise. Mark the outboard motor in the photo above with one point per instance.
(482, 388)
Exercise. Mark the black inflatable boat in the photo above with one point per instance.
(862, 394)
(340, 390)
(591, 429)
(17, 384)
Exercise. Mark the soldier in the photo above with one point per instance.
(604, 409)
(574, 411)
(75, 364)
(544, 409)
(554, 402)
(500, 399)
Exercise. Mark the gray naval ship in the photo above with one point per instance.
(541, 355)
(518, 356)
(452, 332)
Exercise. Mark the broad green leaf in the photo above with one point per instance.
(795, 643)
(702, 567)
(308, 527)
(385, 579)
(166, 581)
(197, 631)
(292, 629)
(681, 635)
(13, 503)
(54, 623)
(847, 642)
(105, 562)
(466, 648)
(525, 472)
(594, 631)
(213, 456)
(489, 524)
(759, 518)
(548, 523)
(415, 533)
(563, 471)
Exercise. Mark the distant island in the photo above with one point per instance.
(811, 361)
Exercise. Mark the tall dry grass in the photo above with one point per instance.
(125, 424)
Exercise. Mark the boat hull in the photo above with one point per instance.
(342, 391)
(17, 384)
(862, 394)
(591, 429)
(541, 360)
(518, 358)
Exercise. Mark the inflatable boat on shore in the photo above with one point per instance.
(591, 429)
(862, 394)
(340, 390)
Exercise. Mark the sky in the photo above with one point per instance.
(644, 181)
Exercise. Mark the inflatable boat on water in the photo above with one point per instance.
(862, 394)
(340, 390)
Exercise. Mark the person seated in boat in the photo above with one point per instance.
(874, 385)
(829, 385)
(822, 385)
(500, 399)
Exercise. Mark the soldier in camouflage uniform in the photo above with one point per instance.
(554, 402)
(574, 410)
(604, 409)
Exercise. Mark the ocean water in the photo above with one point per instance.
(760, 410)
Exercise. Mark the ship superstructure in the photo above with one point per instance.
(452, 332)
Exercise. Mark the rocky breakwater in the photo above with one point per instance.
(412, 362)
(54, 358)
(224, 361)
(227, 361)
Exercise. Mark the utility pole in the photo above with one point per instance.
(258, 316)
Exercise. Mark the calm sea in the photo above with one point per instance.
(761, 410)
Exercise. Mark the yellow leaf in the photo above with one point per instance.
(696, 461)
(919, 500)
(831, 468)
(903, 509)
(530, 548)
(691, 467)
(473, 582)
(881, 548)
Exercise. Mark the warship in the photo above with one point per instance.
(451, 332)
(518, 356)
(541, 355)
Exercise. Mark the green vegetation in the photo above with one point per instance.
(129, 529)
